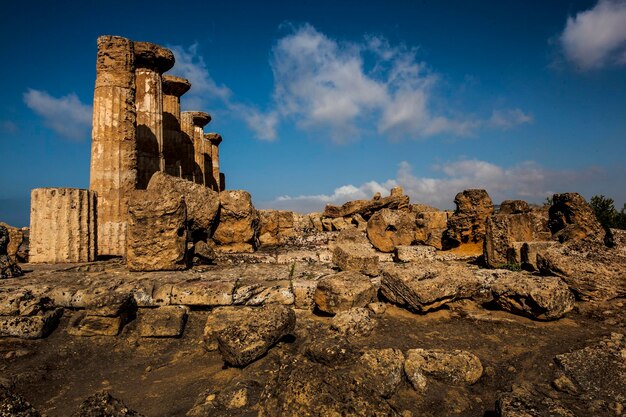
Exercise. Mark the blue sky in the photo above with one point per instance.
(322, 103)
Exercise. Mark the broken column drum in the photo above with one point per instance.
(151, 61)
(174, 149)
(192, 124)
(62, 225)
(113, 169)
(215, 139)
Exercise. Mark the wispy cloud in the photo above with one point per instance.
(8, 126)
(66, 115)
(596, 37)
(509, 118)
(526, 180)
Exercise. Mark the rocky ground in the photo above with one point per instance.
(464, 356)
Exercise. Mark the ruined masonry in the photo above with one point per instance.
(63, 225)
(138, 130)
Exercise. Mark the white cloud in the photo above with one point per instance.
(66, 115)
(341, 90)
(509, 118)
(596, 37)
(527, 180)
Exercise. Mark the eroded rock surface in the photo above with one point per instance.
(571, 218)
(342, 291)
(238, 226)
(467, 223)
(387, 229)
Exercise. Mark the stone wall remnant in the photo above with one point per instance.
(63, 225)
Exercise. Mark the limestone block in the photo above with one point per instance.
(342, 291)
(356, 257)
(167, 321)
(238, 226)
(571, 218)
(387, 229)
(30, 327)
(202, 293)
(467, 223)
(63, 225)
(431, 226)
(304, 292)
(83, 324)
(156, 232)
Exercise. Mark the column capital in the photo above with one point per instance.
(175, 86)
(152, 56)
(214, 138)
(199, 118)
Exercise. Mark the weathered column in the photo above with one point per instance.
(215, 139)
(113, 170)
(151, 61)
(193, 123)
(173, 147)
(62, 225)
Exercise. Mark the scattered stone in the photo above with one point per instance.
(202, 293)
(414, 253)
(235, 399)
(331, 351)
(430, 225)
(455, 367)
(359, 257)
(202, 203)
(156, 239)
(377, 308)
(379, 371)
(14, 405)
(541, 298)
(524, 401)
(166, 321)
(571, 218)
(340, 223)
(276, 226)
(387, 229)
(254, 332)
(342, 291)
(304, 293)
(102, 404)
(17, 237)
(354, 322)
(203, 254)
(467, 223)
(238, 226)
(8, 267)
(426, 285)
(32, 326)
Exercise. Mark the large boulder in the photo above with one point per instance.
(156, 238)
(541, 298)
(366, 208)
(466, 226)
(276, 226)
(27, 316)
(425, 285)
(17, 238)
(254, 332)
(431, 224)
(238, 226)
(590, 269)
(388, 228)
(571, 218)
(379, 371)
(202, 202)
(342, 291)
(356, 321)
(455, 367)
(8, 267)
(516, 223)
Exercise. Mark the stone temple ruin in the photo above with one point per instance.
(179, 297)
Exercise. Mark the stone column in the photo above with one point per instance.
(113, 170)
(173, 147)
(187, 151)
(151, 61)
(215, 139)
(62, 225)
(222, 181)
(198, 121)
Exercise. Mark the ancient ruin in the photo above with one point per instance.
(157, 291)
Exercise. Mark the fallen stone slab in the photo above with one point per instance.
(30, 327)
(342, 291)
(357, 257)
(456, 367)
(417, 253)
(366, 207)
(83, 324)
(541, 298)
(254, 332)
(426, 285)
(166, 321)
